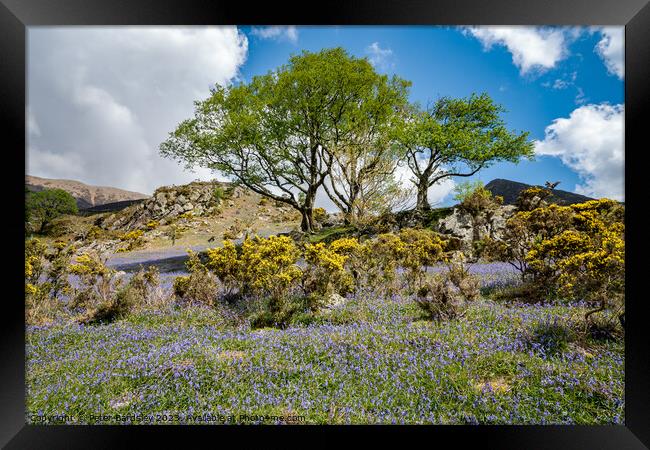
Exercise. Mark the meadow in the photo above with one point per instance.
(369, 360)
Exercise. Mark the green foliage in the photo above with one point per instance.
(462, 135)
(574, 252)
(261, 133)
(199, 287)
(46, 205)
(218, 194)
(46, 277)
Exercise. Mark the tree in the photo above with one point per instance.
(457, 138)
(277, 134)
(365, 160)
(46, 205)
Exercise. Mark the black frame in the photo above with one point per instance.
(16, 15)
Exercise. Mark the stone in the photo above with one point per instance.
(335, 300)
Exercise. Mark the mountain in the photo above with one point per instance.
(87, 196)
(510, 190)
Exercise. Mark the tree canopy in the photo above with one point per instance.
(46, 205)
(457, 138)
(279, 134)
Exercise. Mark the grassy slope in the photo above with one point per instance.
(371, 361)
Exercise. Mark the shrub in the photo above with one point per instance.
(437, 299)
(458, 274)
(586, 262)
(327, 272)
(443, 296)
(261, 267)
(46, 277)
(320, 215)
(218, 195)
(175, 232)
(376, 264)
(97, 282)
(153, 224)
(532, 198)
(132, 239)
(199, 287)
(421, 248)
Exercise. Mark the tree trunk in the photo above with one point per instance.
(423, 196)
(307, 211)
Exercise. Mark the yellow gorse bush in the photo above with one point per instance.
(261, 266)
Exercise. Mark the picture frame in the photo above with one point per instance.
(16, 16)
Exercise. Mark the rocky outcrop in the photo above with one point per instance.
(459, 224)
(170, 202)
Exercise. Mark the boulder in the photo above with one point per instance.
(459, 225)
(334, 300)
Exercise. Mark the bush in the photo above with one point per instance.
(97, 283)
(443, 296)
(437, 299)
(327, 271)
(46, 277)
(132, 240)
(468, 285)
(199, 287)
(532, 198)
(218, 195)
(421, 248)
(320, 215)
(260, 267)
(550, 337)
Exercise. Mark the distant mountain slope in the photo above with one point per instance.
(87, 196)
(111, 207)
(510, 190)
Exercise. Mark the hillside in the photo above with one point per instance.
(87, 196)
(510, 190)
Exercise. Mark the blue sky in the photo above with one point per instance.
(563, 85)
(445, 61)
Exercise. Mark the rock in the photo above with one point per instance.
(335, 300)
(459, 225)
(188, 206)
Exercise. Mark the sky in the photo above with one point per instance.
(100, 100)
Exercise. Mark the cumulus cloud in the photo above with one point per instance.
(590, 141)
(102, 99)
(611, 49)
(379, 57)
(289, 33)
(532, 48)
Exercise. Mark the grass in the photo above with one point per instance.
(369, 361)
(330, 234)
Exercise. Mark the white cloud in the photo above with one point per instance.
(289, 33)
(102, 99)
(591, 142)
(532, 48)
(32, 126)
(379, 57)
(611, 49)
